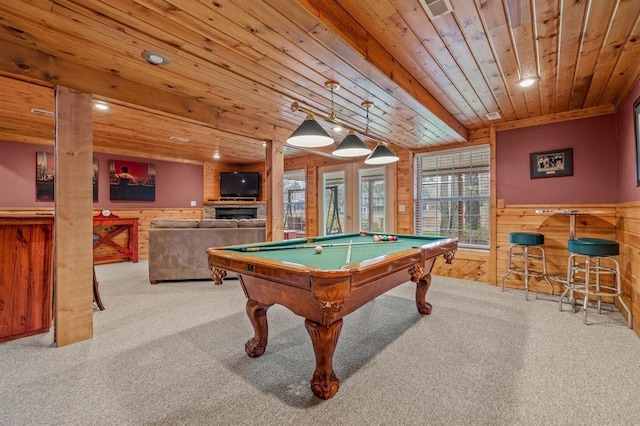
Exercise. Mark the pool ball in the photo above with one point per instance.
(318, 249)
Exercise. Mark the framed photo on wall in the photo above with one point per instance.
(551, 163)
(45, 177)
(131, 181)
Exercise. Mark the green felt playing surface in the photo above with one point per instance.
(333, 257)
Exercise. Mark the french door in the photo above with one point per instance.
(355, 197)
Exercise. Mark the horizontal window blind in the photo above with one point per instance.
(452, 195)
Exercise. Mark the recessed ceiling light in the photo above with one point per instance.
(155, 58)
(264, 144)
(528, 81)
(337, 128)
(216, 155)
(102, 106)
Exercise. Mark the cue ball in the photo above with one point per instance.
(318, 249)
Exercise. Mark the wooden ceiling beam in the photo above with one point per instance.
(341, 23)
(33, 65)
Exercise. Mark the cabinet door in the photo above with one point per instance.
(25, 279)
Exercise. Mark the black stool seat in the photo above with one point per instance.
(594, 247)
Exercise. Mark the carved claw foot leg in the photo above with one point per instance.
(257, 313)
(217, 275)
(423, 281)
(422, 286)
(324, 383)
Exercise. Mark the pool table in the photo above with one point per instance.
(349, 271)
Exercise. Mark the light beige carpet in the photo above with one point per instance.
(173, 353)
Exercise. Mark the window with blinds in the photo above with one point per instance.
(452, 195)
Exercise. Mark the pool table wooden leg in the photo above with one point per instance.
(422, 286)
(324, 383)
(257, 313)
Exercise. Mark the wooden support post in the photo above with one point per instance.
(73, 264)
(275, 201)
(492, 268)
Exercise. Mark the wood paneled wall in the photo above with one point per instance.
(628, 234)
(467, 265)
(211, 178)
(404, 192)
(601, 223)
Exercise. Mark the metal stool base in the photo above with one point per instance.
(526, 271)
(579, 282)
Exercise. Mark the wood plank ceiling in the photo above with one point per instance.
(237, 66)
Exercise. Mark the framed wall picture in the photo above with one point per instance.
(636, 126)
(45, 177)
(551, 163)
(131, 181)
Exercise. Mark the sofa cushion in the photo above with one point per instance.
(218, 223)
(251, 223)
(174, 223)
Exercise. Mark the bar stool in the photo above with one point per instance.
(527, 246)
(597, 260)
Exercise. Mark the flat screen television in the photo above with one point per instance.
(240, 185)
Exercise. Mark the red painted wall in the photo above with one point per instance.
(627, 178)
(177, 184)
(595, 162)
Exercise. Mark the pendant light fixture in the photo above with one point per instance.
(352, 145)
(381, 155)
(309, 134)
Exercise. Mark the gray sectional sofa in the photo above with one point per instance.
(177, 247)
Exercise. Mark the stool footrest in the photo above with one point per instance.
(583, 277)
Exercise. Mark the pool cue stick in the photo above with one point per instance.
(348, 259)
(300, 246)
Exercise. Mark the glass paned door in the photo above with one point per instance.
(373, 206)
(334, 208)
(355, 198)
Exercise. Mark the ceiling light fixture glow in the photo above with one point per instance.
(528, 81)
(102, 106)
